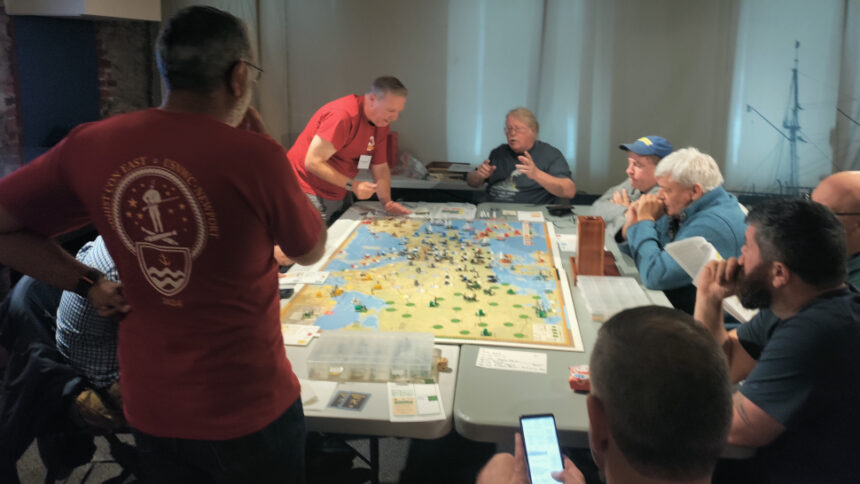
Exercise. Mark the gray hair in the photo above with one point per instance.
(664, 383)
(525, 116)
(388, 84)
(689, 166)
(198, 46)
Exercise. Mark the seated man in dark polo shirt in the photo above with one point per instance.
(524, 170)
(798, 357)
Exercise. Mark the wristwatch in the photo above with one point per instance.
(348, 186)
(87, 281)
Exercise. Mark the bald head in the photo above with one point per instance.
(840, 192)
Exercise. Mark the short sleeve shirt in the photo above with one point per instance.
(343, 124)
(805, 377)
(85, 338)
(507, 184)
(189, 209)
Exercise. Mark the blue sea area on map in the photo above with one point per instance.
(385, 248)
(364, 238)
(368, 243)
(335, 281)
(531, 283)
(344, 313)
(513, 244)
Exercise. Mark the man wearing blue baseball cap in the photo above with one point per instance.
(642, 158)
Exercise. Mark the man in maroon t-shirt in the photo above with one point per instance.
(189, 207)
(344, 136)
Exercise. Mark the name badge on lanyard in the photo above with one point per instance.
(364, 162)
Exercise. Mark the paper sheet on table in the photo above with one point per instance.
(567, 242)
(298, 334)
(453, 210)
(460, 168)
(302, 277)
(523, 216)
(414, 402)
(497, 359)
(316, 393)
(692, 254)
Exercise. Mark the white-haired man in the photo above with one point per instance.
(690, 203)
(524, 170)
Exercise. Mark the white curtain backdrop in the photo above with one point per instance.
(596, 74)
(846, 141)
(758, 148)
(494, 53)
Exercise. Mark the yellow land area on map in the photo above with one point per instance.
(485, 280)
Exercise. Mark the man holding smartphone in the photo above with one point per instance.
(637, 430)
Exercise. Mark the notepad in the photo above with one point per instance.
(692, 254)
(606, 296)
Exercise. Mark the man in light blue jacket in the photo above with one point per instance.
(691, 202)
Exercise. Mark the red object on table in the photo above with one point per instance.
(579, 379)
(589, 245)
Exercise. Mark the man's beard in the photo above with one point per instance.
(754, 288)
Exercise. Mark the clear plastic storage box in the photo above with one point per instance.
(377, 356)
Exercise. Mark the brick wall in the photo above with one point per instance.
(10, 114)
(126, 76)
(126, 67)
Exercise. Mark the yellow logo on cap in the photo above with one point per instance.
(645, 140)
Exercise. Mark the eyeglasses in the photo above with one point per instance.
(808, 197)
(515, 129)
(259, 69)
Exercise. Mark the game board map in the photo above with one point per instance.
(490, 281)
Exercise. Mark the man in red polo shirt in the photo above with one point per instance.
(345, 136)
(189, 207)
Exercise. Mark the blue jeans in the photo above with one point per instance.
(275, 454)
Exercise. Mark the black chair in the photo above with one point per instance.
(39, 391)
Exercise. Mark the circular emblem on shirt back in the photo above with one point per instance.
(158, 217)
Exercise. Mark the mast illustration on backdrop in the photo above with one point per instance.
(789, 186)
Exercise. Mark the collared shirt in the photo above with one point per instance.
(342, 123)
(87, 340)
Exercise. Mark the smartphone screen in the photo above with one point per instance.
(543, 454)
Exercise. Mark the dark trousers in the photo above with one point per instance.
(275, 454)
